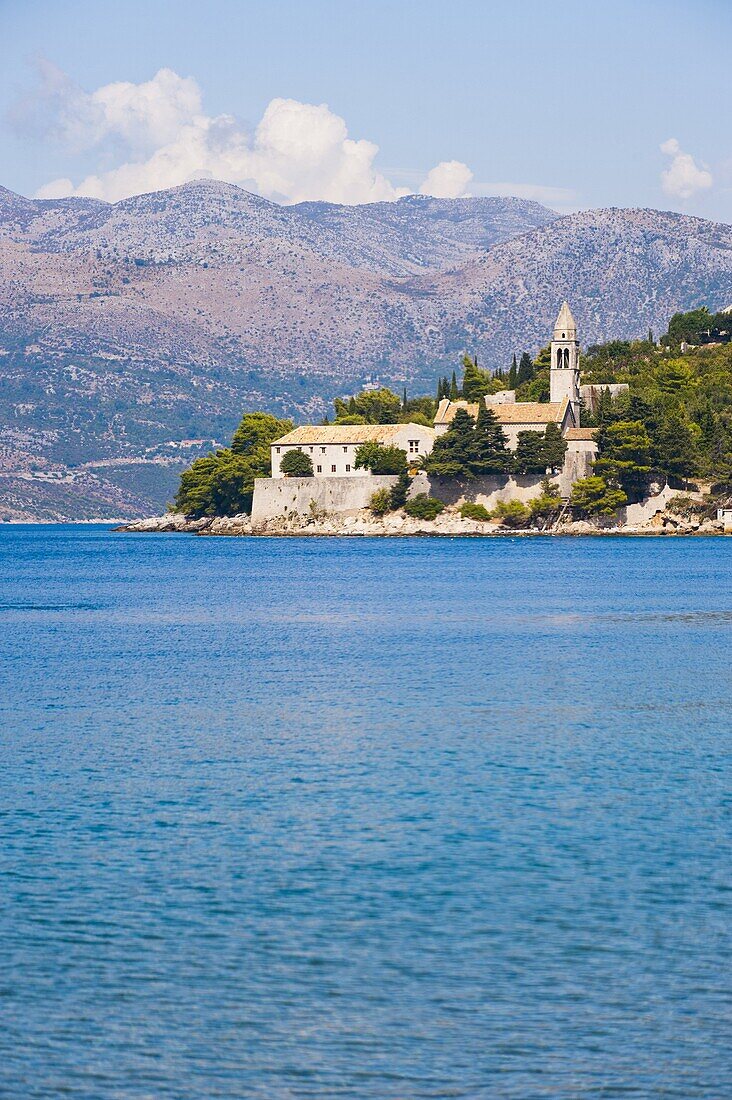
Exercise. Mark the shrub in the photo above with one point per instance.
(469, 510)
(549, 501)
(592, 496)
(512, 513)
(380, 502)
(424, 507)
(296, 464)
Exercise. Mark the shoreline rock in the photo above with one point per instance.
(397, 525)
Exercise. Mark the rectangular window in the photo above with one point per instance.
(348, 469)
(332, 469)
(413, 446)
(278, 450)
(322, 450)
(345, 450)
(320, 469)
(311, 450)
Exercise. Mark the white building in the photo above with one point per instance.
(332, 447)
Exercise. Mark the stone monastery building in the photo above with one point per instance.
(332, 447)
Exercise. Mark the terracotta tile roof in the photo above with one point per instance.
(519, 412)
(531, 412)
(446, 410)
(349, 433)
(580, 433)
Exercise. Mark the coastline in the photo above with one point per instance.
(396, 525)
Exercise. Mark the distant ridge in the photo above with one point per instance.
(126, 326)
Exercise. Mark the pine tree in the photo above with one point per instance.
(454, 391)
(452, 453)
(490, 446)
(530, 453)
(513, 374)
(404, 400)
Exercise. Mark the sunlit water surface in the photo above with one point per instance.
(367, 819)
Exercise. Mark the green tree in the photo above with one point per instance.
(379, 459)
(476, 382)
(255, 433)
(513, 374)
(380, 406)
(525, 370)
(674, 448)
(624, 456)
(452, 452)
(454, 391)
(220, 484)
(530, 453)
(400, 491)
(296, 463)
(490, 453)
(555, 447)
(592, 496)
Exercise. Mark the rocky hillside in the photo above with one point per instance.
(132, 334)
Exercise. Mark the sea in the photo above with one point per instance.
(380, 819)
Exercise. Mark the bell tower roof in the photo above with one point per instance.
(566, 326)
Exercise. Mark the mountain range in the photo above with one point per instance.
(133, 335)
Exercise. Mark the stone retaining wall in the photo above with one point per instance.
(284, 496)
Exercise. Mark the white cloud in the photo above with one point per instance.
(447, 180)
(156, 135)
(683, 177)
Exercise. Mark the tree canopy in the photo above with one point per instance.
(296, 463)
(222, 483)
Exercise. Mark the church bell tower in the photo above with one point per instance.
(565, 371)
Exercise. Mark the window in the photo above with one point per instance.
(345, 450)
(413, 446)
(348, 469)
(319, 469)
(278, 450)
(322, 450)
(332, 469)
(311, 450)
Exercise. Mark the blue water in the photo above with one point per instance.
(370, 819)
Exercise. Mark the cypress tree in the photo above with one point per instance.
(454, 391)
(513, 374)
(525, 370)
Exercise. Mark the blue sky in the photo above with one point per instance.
(568, 102)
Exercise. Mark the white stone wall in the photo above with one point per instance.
(284, 495)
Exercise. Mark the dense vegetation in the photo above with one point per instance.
(674, 423)
(222, 483)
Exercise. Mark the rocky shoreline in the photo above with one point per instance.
(448, 524)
